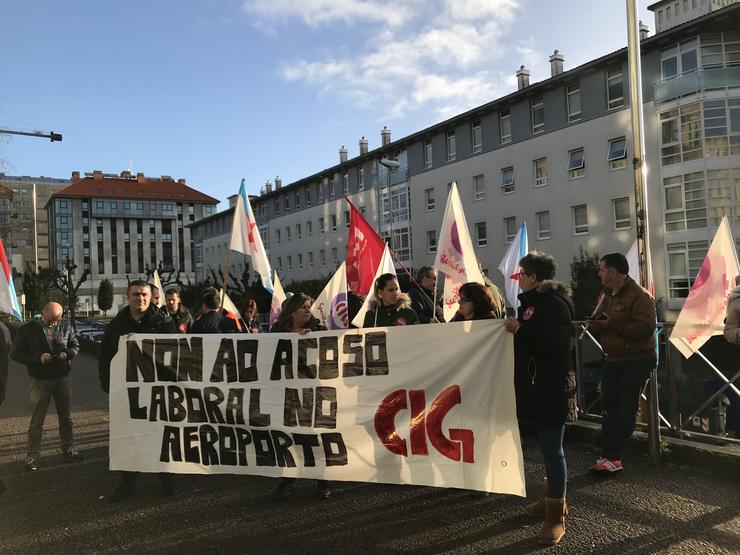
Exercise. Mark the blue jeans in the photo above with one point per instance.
(550, 439)
(42, 392)
(621, 385)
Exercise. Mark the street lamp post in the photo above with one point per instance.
(389, 165)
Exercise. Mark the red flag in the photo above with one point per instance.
(364, 251)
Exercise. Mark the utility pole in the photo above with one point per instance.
(51, 136)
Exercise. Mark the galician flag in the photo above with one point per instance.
(8, 298)
(633, 259)
(385, 267)
(509, 265)
(703, 313)
(158, 285)
(245, 238)
(278, 297)
(455, 254)
(330, 307)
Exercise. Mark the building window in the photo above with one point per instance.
(614, 88)
(335, 256)
(505, 125)
(287, 234)
(621, 211)
(361, 179)
(540, 172)
(451, 147)
(684, 261)
(308, 196)
(277, 235)
(300, 261)
(287, 203)
(429, 195)
(345, 183)
(537, 108)
(681, 136)
(277, 207)
(480, 234)
(617, 156)
(576, 163)
(722, 126)
(573, 96)
(580, 219)
(298, 233)
(427, 153)
(479, 187)
(685, 202)
(431, 242)
(322, 257)
(679, 59)
(346, 219)
(309, 228)
(507, 180)
(280, 263)
(331, 187)
(509, 229)
(322, 228)
(297, 200)
(476, 133)
(320, 192)
(310, 259)
(543, 225)
(290, 262)
(333, 221)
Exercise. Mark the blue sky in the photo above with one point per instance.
(216, 90)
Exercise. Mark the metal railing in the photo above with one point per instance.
(695, 81)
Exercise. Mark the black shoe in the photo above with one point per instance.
(285, 490)
(322, 491)
(123, 490)
(73, 454)
(31, 465)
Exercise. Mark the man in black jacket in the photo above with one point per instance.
(212, 318)
(46, 347)
(5, 343)
(140, 316)
(179, 314)
(427, 307)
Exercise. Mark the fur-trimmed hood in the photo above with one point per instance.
(404, 301)
(551, 284)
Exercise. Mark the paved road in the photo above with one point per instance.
(61, 508)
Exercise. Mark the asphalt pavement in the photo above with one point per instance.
(62, 508)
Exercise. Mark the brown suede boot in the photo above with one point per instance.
(553, 528)
(537, 508)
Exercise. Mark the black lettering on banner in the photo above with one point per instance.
(295, 412)
(191, 360)
(212, 398)
(140, 361)
(175, 406)
(190, 444)
(135, 411)
(376, 365)
(352, 346)
(243, 438)
(227, 445)
(162, 346)
(225, 359)
(256, 418)
(235, 406)
(247, 349)
(306, 370)
(307, 442)
(282, 363)
(208, 440)
(157, 404)
(196, 413)
(263, 448)
(171, 450)
(334, 457)
(282, 442)
(322, 420)
(328, 358)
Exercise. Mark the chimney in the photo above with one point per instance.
(522, 78)
(140, 178)
(268, 185)
(363, 146)
(385, 136)
(556, 64)
(75, 177)
(181, 182)
(97, 174)
(644, 31)
(232, 200)
(342, 155)
(278, 182)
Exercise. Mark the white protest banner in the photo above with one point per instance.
(424, 405)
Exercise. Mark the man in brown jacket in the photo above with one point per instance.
(627, 326)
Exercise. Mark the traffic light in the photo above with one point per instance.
(55, 136)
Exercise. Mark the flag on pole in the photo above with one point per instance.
(158, 285)
(245, 238)
(278, 297)
(330, 307)
(364, 252)
(8, 298)
(509, 265)
(455, 254)
(228, 305)
(703, 313)
(385, 267)
(633, 259)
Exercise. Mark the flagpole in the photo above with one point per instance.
(226, 276)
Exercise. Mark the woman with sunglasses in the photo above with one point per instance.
(296, 317)
(544, 379)
(476, 303)
(390, 307)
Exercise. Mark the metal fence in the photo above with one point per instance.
(697, 397)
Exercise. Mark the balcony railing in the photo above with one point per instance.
(696, 81)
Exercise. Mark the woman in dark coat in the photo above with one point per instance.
(296, 317)
(476, 303)
(544, 378)
(390, 307)
(249, 315)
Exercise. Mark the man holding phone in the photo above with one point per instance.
(46, 346)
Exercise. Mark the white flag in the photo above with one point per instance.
(330, 307)
(509, 265)
(633, 259)
(245, 238)
(278, 297)
(703, 313)
(158, 285)
(228, 304)
(451, 297)
(385, 267)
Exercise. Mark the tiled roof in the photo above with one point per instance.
(142, 189)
